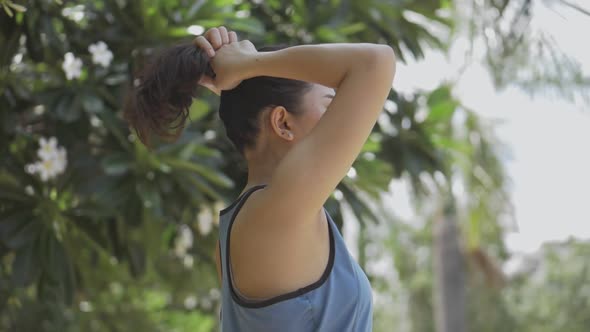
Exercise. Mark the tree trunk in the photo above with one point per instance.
(449, 270)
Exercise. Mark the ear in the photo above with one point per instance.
(281, 123)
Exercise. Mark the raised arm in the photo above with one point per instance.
(362, 75)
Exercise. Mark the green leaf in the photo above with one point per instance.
(353, 28)
(328, 34)
(371, 145)
(26, 234)
(13, 227)
(7, 10)
(447, 143)
(441, 104)
(203, 186)
(17, 7)
(442, 112)
(150, 197)
(137, 259)
(211, 175)
(117, 163)
(198, 109)
(249, 25)
(441, 94)
(68, 108)
(92, 104)
(25, 267)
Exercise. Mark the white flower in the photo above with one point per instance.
(188, 261)
(190, 302)
(184, 240)
(74, 13)
(61, 160)
(390, 106)
(72, 66)
(205, 221)
(214, 294)
(29, 190)
(95, 121)
(351, 173)
(243, 13)
(206, 303)
(31, 168)
(101, 55)
(369, 155)
(47, 169)
(196, 30)
(39, 109)
(85, 306)
(53, 159)
(338, 195)
(217, 206)
(210, 134)
(47, 148)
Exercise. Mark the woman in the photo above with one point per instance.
(282, 262)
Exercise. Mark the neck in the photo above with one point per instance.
(261, 168)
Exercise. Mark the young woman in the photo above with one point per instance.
(299, 116)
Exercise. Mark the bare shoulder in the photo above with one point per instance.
(270, 257)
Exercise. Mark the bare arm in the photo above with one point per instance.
(311, 170)
(326, 64)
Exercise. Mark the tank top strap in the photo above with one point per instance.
(226, 217)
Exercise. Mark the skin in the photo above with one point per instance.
(279, 131)
(279, 239)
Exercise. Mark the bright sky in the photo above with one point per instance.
(549, 139)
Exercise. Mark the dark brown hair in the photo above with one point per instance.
(160, 99)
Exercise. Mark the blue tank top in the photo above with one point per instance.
(341, 300)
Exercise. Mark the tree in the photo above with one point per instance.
(96, 232)
(106, 235)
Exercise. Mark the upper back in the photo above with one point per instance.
(340, 300)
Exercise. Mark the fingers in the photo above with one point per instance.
(204, 44)
(214, 37)
(233, 36)
(224, 36)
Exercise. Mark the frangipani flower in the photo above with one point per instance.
(101, 54)
(205, 221)
(190, 302)
(72, 66)
(47, 148)
(188, 261)
(53, 160)
(184, 241)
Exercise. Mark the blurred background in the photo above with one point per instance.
(467, 207)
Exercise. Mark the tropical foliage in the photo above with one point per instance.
(99, 234)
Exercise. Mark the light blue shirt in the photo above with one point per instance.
(340, 301)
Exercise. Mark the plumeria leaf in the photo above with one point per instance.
(25, 267)
(117, 163)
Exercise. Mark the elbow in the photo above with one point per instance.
(385, 56)
(381, 60)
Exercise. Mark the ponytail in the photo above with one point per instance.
(160, 97)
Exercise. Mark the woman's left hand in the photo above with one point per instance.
(211, 41)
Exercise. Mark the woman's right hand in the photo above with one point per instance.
(230, 64)
(210, 42)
